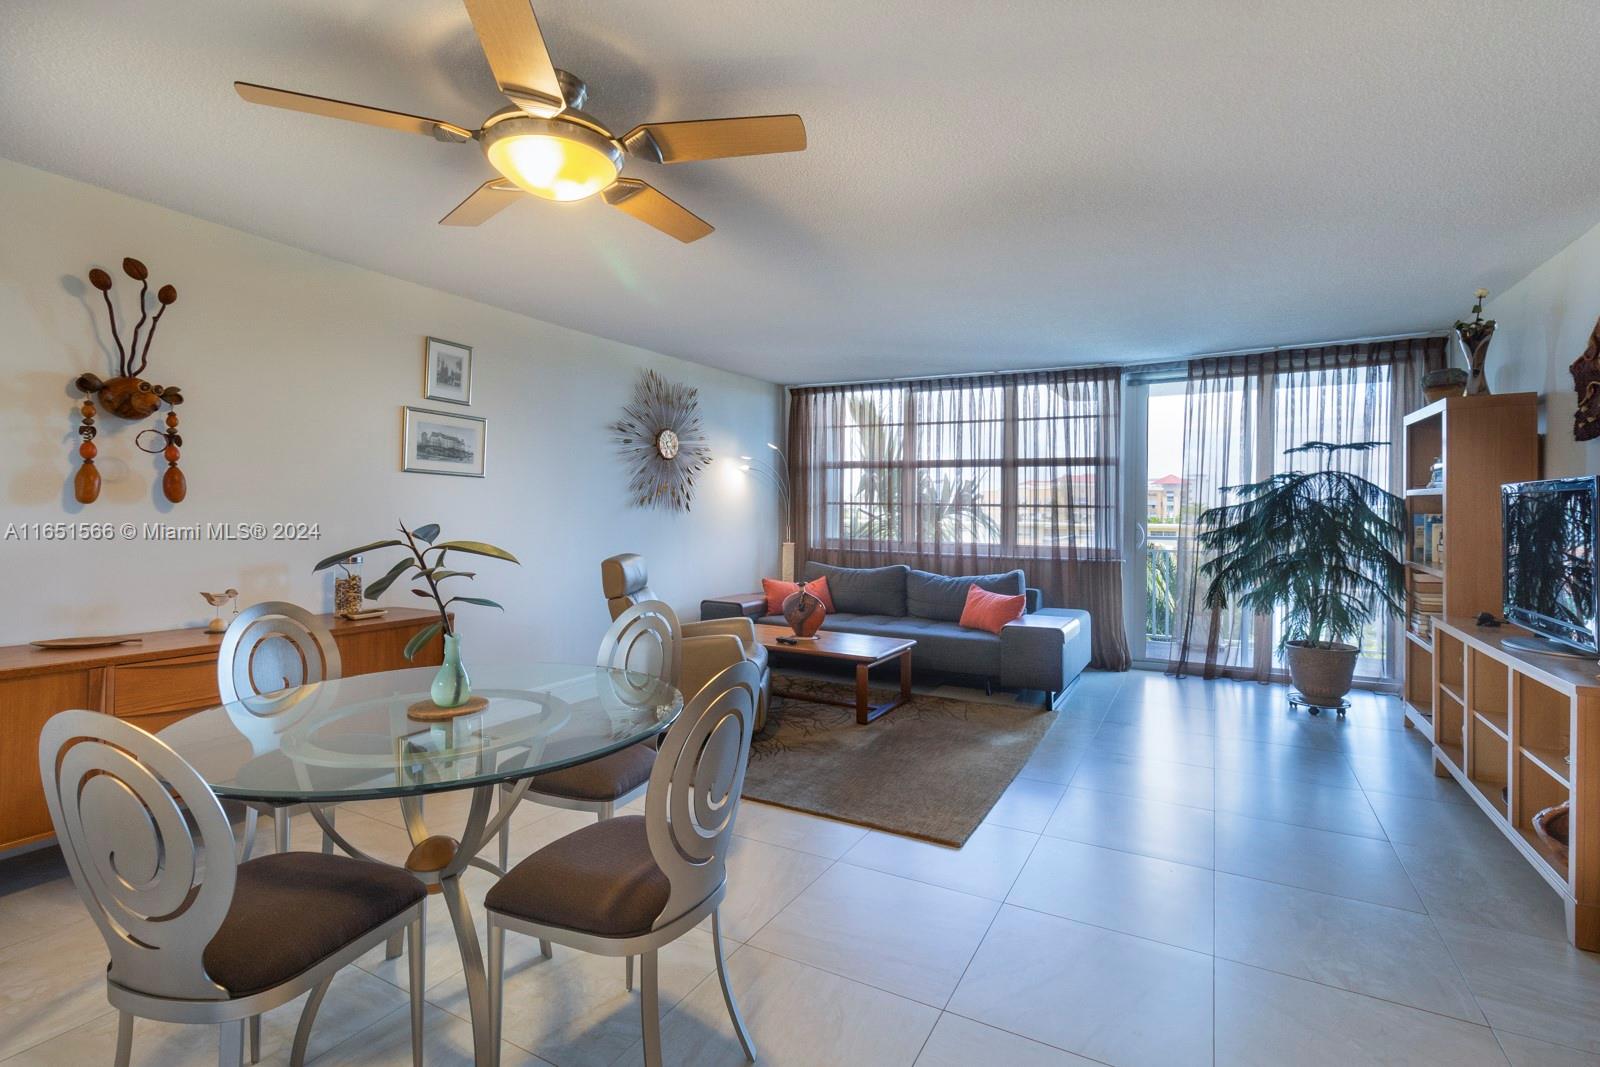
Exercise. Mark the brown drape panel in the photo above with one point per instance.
(1240, 414)
(970, 476)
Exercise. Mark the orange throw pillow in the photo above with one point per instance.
(778, 591)
(990, 611)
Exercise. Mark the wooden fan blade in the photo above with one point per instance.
(683, 142)
(486, 201)
(508, 30)
(340, 109)
(650, 205)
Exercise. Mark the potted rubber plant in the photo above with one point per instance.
(1324, 546)
(427, 566)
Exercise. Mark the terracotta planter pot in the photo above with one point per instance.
(1322, 673)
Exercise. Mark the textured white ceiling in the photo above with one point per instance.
(988, 185)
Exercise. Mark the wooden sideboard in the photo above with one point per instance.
(165, 676)
(1521, 732)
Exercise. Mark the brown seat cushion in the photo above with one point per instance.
(293, 909)
(600, 880)
(606, 778)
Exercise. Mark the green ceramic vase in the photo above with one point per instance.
(451, 687)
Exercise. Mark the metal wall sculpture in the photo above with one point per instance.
(660, 438)
(128, 395)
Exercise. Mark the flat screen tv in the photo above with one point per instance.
(1550, 543)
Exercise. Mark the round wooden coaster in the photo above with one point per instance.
(428, 711)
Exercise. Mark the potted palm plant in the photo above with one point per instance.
(1324, 546)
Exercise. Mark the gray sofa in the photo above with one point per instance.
(1046, 649)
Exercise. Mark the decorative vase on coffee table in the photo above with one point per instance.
(451, 687)
(804, 612)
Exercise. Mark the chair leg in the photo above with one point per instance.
(230, 1044)
(627, 980)
(417, 934)
(248, 845)
(727, 990)
(255, 1039)
(650, 1009)
(302, 1033)
(397, 940)
(607, 810)
(327, 842)
(124, 1039)
(496, 975)
(546, 949)
(280, 829)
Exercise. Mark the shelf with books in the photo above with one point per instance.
(1427, 540)
(1457, 452)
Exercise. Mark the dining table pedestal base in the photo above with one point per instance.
(439, 862)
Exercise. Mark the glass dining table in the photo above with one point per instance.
(356, 739)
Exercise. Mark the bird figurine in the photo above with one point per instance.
(217, 600)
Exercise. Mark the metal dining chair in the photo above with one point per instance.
(643, 641)
(268, 650)
(195, 936)
(631, 885)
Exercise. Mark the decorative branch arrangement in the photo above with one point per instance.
(127, 395)
(430, 572)
(660, 437)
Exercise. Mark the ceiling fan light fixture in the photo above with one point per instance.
(552, 159)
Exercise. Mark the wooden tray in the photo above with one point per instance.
(87, 642)
(428, 711)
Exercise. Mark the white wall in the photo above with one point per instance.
(1544, 324)
(294, 370)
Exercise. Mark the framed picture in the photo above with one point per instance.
(446, 371)
(438, 442)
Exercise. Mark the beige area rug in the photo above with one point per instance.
(932, 768)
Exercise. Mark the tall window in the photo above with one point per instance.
(968, 475)
(1009, 469)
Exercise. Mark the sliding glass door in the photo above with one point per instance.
(1153, 469)
(1185, 442)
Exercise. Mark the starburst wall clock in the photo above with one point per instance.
(660, 438)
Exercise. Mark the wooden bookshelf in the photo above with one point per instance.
(1521, 732)
(1484, 441)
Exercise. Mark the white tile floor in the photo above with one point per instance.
(1185, 873)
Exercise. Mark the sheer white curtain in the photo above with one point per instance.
(1241, 413)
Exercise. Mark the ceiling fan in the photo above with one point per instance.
(545, 144)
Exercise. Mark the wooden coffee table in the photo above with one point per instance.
(864, 650)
